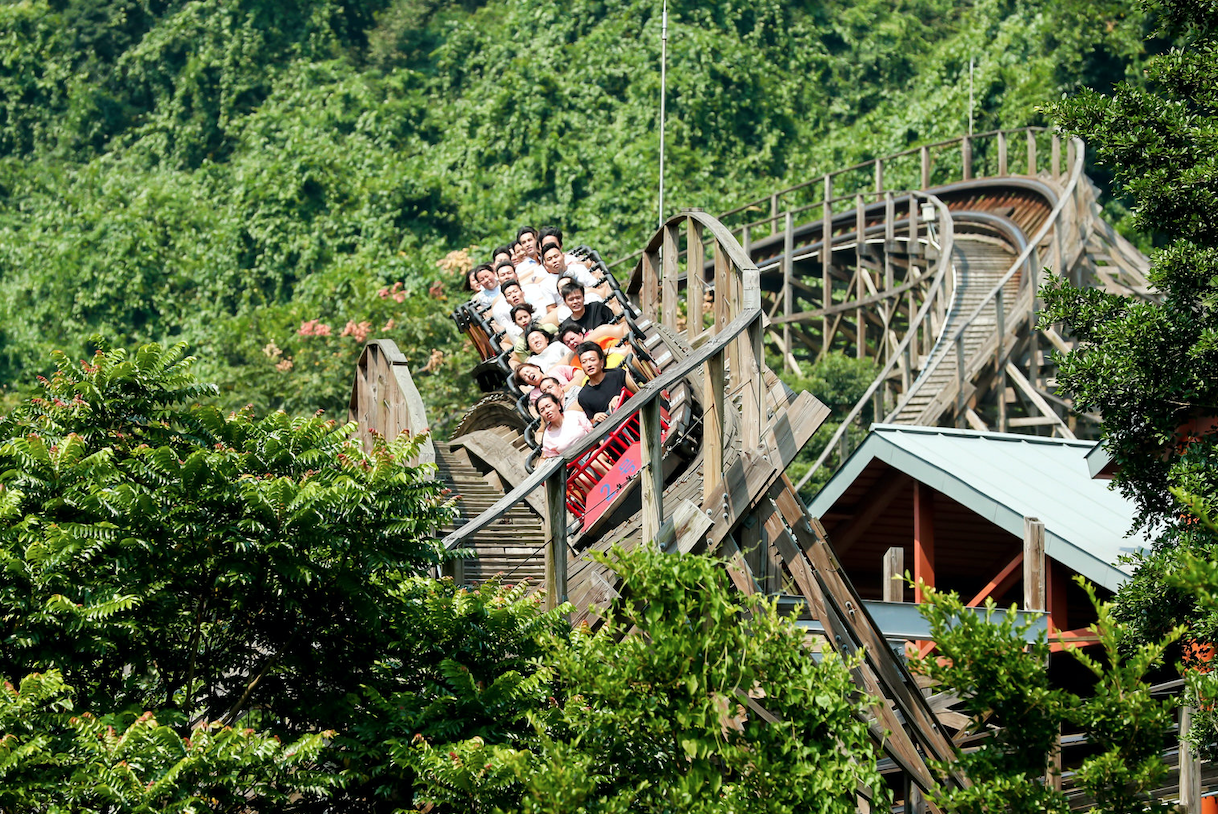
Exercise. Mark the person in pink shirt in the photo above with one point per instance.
(562, 429)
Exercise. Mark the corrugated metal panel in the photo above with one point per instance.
(1005, 477)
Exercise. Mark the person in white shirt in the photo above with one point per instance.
(490, 286)
(515, 294)
(552, 235)
(526, 236)
(557, 267)
(546, 353)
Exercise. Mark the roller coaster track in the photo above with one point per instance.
(934, 278)
(964, 351)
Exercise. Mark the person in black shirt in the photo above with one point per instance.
(592, 315)
(600, 394)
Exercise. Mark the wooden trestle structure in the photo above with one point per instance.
(937, 285)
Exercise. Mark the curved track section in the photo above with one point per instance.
(846, 264)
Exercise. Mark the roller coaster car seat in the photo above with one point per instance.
(489, 375)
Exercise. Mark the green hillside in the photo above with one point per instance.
(257, 178)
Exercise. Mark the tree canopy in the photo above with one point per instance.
(255, 178)
(1149, 366)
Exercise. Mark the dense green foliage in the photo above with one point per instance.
(227, 173)
(165, 555)
(54, 758)
(1004, 683)
(207, 584)
(1149, 367)
(688, 698)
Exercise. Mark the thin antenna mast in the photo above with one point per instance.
(970, 96)
(663, 89)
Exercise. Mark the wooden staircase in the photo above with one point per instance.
(511, 549)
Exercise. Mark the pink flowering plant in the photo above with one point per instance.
(302, 356)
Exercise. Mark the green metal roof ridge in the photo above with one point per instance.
(990, 434)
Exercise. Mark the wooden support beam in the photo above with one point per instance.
(1023, 384)
(924, 538)
(898, 744)
(685, 529)
(745, 482)
(737, 567)
(841, 601)
(1033, 564)
(1000, 583)
(894, 574)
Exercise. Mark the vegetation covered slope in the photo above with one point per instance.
(274, 182)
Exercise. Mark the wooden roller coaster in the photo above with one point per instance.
(937, 282)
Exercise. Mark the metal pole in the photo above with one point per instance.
(663, 88)
(970, 96)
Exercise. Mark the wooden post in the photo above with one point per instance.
(1033, 334)
(668, 279)
(695, 281)
(1055, 596)
(712, 428)
(925, 155)
(860, 319)
(1002, 152)
(924, 538)
(960, 379)
(1033, 564)
(826, 260)
(966, 157)
(890, 215)
(879, 175)
(454, 569)
(788, 294)
(1190, 766)
(894, 574)
(652, 476)
(556, 538)
(722, 293)
(651, 286)
(752, 394)
(917, 804)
